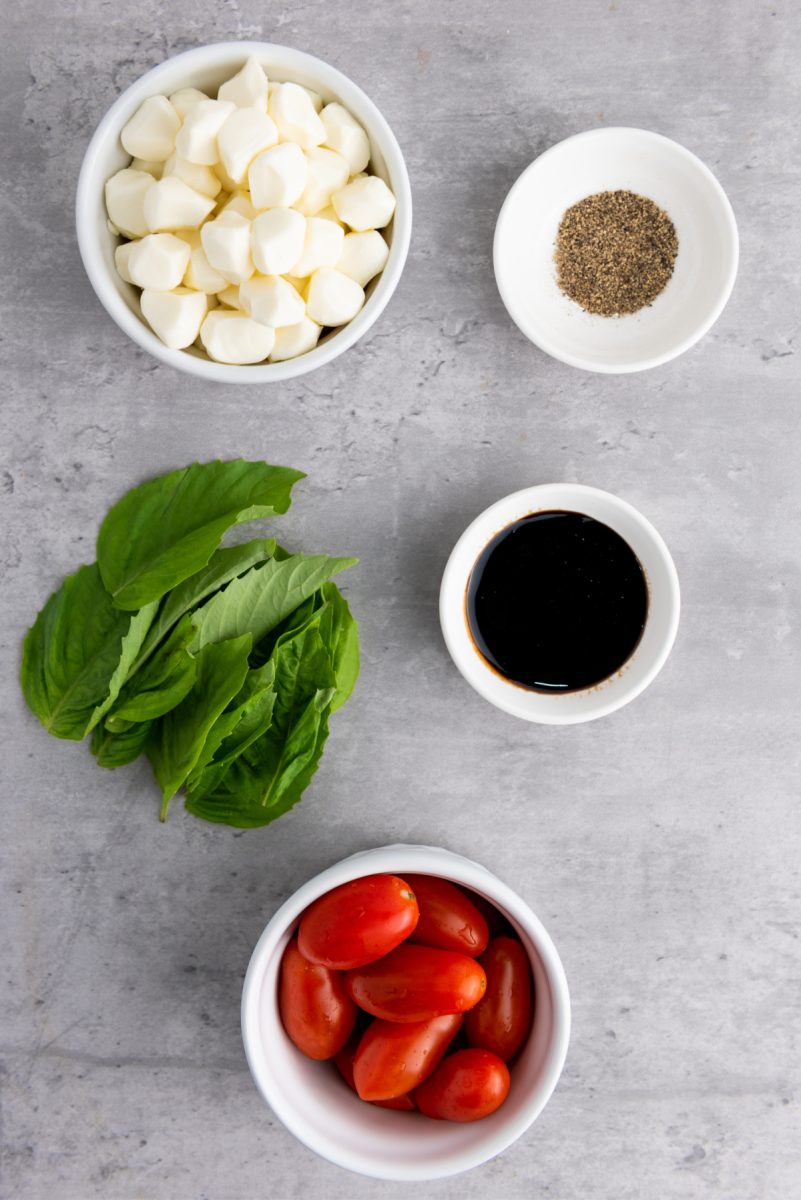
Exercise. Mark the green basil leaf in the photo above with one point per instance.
(340, 634)
(159, 534)
(269, 777)
(158, 687)
(77, 654)
(117, 749)
(257, 685)
(258, 601)
(178, 737)
(223, 566)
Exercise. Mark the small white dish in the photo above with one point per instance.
(206, 67)
(603, 160)
(311, 1099)
(659, 634)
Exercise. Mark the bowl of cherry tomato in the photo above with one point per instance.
(405, 1014)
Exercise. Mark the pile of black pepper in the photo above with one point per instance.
(615, 252)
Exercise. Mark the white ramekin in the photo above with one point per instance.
(660, 627)
(602, 160)
(207, 67)
(311, 1099)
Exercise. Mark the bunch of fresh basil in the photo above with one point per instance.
(221, 665)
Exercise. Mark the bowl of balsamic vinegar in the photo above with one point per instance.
(560, 603)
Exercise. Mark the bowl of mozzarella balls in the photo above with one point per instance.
(244, 212)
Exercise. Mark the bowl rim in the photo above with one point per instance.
(134, 326)
(586, 362)
(416, 859)
(505, 695)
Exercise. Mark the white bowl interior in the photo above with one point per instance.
(660, 627)
(206, 68)
(608, 160)
(314, 1102)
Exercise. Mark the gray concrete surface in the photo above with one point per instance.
(660, 846)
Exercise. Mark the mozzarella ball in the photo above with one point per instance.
(200, 179)
(248, 88)
(197, 139)
(328, 214)
(346, 136)
(240, 202)
(271, 300)
(293, 113)
(174, 316)
(185, 99)
(328, 173)
(201, 275)
(172, 204)
(158, 262)
(365, 203)
(292, 340)
(232, 337)
(322, 246)
(230, 296)
(276, 240)
(278, 176)
(333, 298)
(121, 255)
(244, 135)
(363, 256)
(125, 201)
(156, 169)
(151, 131)
(226, 241)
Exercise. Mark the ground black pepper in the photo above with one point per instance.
(615, 252)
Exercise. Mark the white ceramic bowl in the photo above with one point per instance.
(662, 621)
(606, 160)
(206, 68)
(314, 1103)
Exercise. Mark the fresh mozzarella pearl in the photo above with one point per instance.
(278, 176)
(240, 202)
(328, 173)
(322, 246)
(276, 240)
(151, 131)
(334, 298)
(200, 274)
(363, 256)
(125, 201)
(328, 214)
(185, 99)
(201, 179)
(293, 113)
(230, 296)
(158, 262)
(315, 97)
(174, 316)
(244, 135)
(121, 255)
(365, 203)
(172, 204)
(292, 340)
(197, 139)
(156, 169)
(346, 136)
(232, 337)
(248, 88)
(226, 241)
(271, 300)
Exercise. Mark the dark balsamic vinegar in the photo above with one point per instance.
(557, 602)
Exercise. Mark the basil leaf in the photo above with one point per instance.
(269, 777)
(178, 737)
(117, 749)
(77, 654)
(340, 634)
(160, 686)
(258, 601)
(257, 686)
(223, 566)
(159, 534)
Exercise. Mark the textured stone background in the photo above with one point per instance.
(660, 846)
